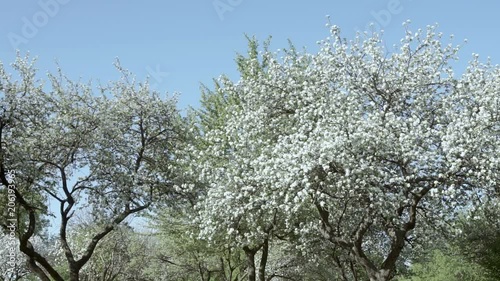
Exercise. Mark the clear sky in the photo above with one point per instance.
(184, 42)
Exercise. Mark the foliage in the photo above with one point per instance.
(125, 254)
(188, 258)
(480, 238)
(448, 265)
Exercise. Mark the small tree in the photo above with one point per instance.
(480, 238)
(446, 265)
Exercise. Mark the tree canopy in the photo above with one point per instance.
(337, 165)
(103, 155)
(359, 145)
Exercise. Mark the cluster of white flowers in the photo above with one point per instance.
(354, 131)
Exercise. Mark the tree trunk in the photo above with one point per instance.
(37, 270)
(263, 260)
(74, 275)
(250, 253)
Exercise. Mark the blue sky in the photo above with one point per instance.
(183, 43)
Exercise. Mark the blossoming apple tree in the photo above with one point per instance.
(100, 155)
(363, 145)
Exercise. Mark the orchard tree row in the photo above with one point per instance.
(358, 162)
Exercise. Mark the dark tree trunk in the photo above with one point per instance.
(250, 253)
(74, 275)
(263, 260)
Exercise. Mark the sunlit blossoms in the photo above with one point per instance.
(359, 144)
